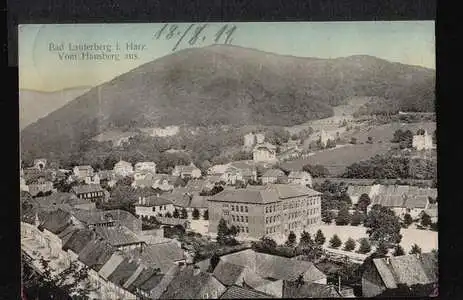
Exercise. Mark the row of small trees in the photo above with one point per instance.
(183, 214)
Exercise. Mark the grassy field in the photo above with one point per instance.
(336, 160)
(385, 132)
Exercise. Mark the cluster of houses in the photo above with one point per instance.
(126, 262)
(402, 199)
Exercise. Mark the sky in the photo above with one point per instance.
(50, 58)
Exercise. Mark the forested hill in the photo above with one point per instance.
(227, 85)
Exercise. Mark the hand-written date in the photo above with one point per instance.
(195, 34)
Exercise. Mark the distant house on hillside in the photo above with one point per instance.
(274, 176)
(146, 165)
(264, 152)
(300, 177)
(239, 171)
(290, 154)
(389, 273)
(190, 171)
(82, 172)
(123, 168)
(251, 139)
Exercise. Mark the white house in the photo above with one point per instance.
(82, 172)
(123, 168)
(146, 166)
(153, 206)
(190, 171)
(422, 142)
(264, 153)
(92, 180)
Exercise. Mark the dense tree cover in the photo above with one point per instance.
(404, 138)
(291, 241)
(327, 216)
(363, 202)
(277, 136)
(343, 217)
(390, 166)
(334, 196)
(379, 166)
(408, 220)
(357, 218)
(383, 225)
(59, 286)
(335, 242)
(317, 171)
(225, 234)
(398, 251)
(215, 190)
(425, 220)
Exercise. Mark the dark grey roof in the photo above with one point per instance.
(237, 292)
(309, 290)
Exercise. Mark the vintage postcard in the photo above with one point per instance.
(228, 160)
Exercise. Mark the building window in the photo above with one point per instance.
(241, 208)
(247, 230)
(233, 218)
(242, 219)
(246, 209)
(233, 208)
(154, 208)
(266, 221)
(225, 205)
(237, 208)
(247, 220)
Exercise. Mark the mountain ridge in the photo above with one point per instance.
(219, 85)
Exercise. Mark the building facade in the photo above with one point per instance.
(264, 153)
(123, 168)
(83, 172)
(153, 206)
(300, 177)
(91, 192)
(422, 142)
(262, 210)
(146, 166)
(190, 171)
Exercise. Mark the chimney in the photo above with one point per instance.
(388, 260)
(339, 283)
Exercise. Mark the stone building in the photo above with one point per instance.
(262, 210)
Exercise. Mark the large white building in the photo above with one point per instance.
(123, 168)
